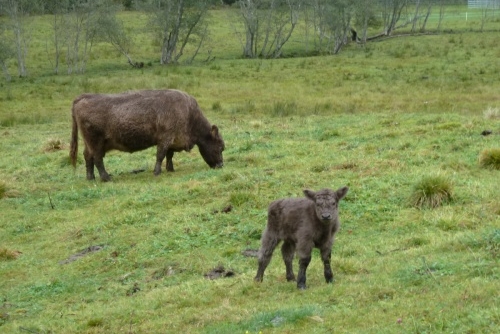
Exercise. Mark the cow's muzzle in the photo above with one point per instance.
(326, 216)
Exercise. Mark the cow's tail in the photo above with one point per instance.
(73, 149)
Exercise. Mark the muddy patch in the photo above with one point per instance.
(250, 252)
(226, 209)
(86, 251)
(219, 272)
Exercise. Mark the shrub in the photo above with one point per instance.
(431, 191)
(490, 158)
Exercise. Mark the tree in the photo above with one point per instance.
(18, 12)
(364, 16)
(417, 16)
(332, 21)
(6, 52)
(110, 30)
(391, 13)
(175, 23)
(268, 26)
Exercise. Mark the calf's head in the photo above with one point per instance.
(211, 147)
(326, 202)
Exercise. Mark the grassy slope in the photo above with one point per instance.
(377, 120)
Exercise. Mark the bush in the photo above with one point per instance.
(490, 158)
(431, 192)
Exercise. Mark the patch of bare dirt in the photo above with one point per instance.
(86, 251)
(219, 272)
(250, 252)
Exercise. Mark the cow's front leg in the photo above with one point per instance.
(99, 163)
(170, 163)
(301, 277)
(161, 152)
(326, 255)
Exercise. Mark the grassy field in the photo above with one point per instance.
(132, 255)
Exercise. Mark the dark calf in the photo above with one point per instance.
(302, 224)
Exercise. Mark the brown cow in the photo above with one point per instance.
(134, 121)
(302, 223)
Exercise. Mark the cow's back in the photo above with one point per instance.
(135, 120)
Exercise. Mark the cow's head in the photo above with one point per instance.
(211, 147)
(326, 202)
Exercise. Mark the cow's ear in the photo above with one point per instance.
(215, 131)
(341, 192)
(310, 194)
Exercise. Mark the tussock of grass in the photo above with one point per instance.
(492, 113)
(7, 192)
(7, 254)
(490, 158)
(431, 192)
(3, 189)
(284, 109)
(53, 144)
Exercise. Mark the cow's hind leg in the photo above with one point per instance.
(269, 243)
(288, 251)
(170, 164)
(89, 164)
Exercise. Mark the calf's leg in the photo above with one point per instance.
(304, 253)
(301, 277)
(288, 251)
(269, 243)
(326, 255)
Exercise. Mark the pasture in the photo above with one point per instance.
(136, 255)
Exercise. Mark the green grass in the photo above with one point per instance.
(377, 119)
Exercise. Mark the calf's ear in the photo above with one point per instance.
(341, 192)
(310, 194)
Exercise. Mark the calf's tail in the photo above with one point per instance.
(73, 150)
